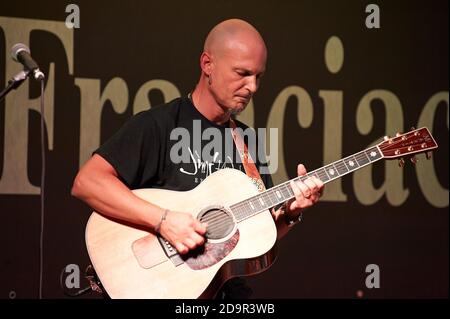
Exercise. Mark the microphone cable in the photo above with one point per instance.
(41, 236)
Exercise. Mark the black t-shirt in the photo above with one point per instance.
(171, 146)
(141, 150)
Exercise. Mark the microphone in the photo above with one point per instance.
(21, 53)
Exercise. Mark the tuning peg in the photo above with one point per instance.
(403, 136)
(401, 162)
(416, 133)
(414, 159)
(428, 155)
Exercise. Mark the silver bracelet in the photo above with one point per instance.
(163, 218)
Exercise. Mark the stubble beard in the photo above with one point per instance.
(238, 110)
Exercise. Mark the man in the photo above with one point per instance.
(139, 155)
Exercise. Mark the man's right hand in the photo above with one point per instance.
(183, 231)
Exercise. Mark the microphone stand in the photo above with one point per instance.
(14, 83)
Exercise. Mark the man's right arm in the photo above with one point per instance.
(97, 184)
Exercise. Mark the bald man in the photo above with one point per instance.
(140, 154)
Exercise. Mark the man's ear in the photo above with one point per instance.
(206, 63)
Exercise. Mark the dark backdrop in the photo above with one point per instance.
(403, 228)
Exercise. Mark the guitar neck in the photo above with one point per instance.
(283, 192)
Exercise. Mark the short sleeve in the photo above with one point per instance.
(133, 151)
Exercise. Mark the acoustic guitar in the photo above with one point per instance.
(133, 262)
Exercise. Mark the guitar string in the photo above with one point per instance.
(214, 216)
(359, 156)
(220, 227)
(215, 219)
(240, 209)
(241, 212)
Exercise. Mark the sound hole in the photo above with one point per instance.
(220, 222)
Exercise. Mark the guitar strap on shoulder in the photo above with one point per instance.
(247, 160)
(250, 167)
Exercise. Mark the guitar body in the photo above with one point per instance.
(132, 262)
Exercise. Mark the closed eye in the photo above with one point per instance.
(243, 73)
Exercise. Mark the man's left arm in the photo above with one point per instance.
(307, 194)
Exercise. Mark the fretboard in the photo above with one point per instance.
(283, 192)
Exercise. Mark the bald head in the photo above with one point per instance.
(230, 34)
(232, 63)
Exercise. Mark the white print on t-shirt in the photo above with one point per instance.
(206, 167)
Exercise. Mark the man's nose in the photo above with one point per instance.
(252, 84)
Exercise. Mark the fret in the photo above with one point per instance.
(279, 196)
(329, 178)
(243, 208)
(237, 210)
(267, 200)
(286, 190)
(262, 202)
(279, 192)
(290, 191)
(256, 203)
(275, 196)
(331, 171)
(272, 197)
(345, 164)
(362, 158)
(351, 163)
(373, 154)
(340, 166)
(322, 175)
(314, 173)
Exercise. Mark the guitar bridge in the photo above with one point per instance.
(170, 251)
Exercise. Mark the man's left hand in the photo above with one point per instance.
(307, 193)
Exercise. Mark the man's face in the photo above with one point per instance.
(236, 74)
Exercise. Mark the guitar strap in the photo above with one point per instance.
(247, 161)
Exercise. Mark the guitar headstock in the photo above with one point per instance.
(413, 142)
